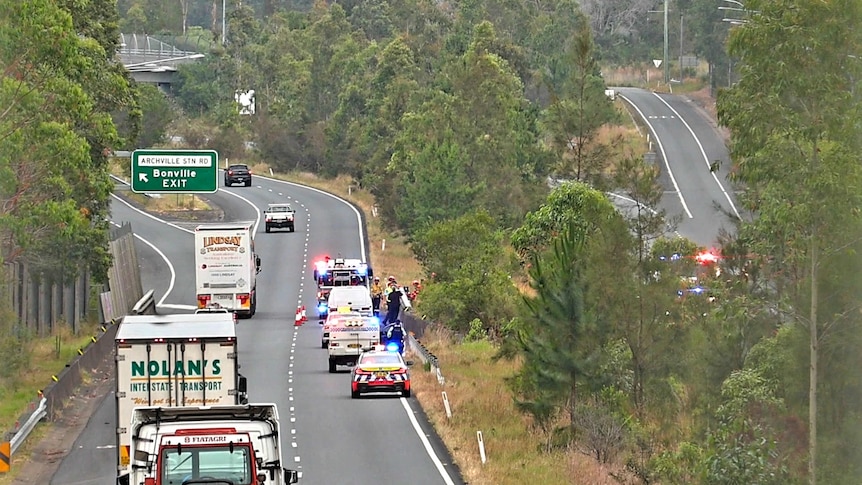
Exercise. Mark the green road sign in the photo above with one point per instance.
(175, 171)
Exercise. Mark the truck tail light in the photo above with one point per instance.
(203, 300)
(244, 299)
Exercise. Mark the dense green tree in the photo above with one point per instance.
(470, 275)
(794, 116)
(555, 340)
(59, 88)
(579, 107)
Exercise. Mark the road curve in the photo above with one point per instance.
(328, 436)
(696, 193)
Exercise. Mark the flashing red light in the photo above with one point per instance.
(706, 257)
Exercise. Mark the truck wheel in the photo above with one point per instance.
(405, 393)
(332, 367)
(323, 344)
(292, 229)
(267, 229)
(355, 394)
(253, 304)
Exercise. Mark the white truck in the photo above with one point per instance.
(349, 336)
(174, 360)
(224, 445)
(277, 216)
(226, 267)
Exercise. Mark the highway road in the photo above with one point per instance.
(687, 144)
(327, 436)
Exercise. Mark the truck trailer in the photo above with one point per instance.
(174, 360)
(226, 267)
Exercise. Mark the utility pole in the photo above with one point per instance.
(664, 59)
(680, 47)
(666, 67)
(223, 31)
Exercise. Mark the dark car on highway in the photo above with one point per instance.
(237, 174)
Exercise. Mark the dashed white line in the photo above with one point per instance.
(703, 153)
(663, 156)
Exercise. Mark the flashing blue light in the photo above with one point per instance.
(698, 290)
(675, 256)
(362, 270)
(322, 308)
(375, 320)
(393, 347)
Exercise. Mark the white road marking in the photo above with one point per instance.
(663, 156)
(703, 153)
(430, 450)
(173, 279)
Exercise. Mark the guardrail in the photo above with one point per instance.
(146, 305)
(28, 426)
(426, 356)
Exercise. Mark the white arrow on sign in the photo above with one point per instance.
(142, 177)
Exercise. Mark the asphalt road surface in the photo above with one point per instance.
(327, 436)
(687, 144)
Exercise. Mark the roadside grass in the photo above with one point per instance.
(45, 357)
(475, 385)
(48, 356)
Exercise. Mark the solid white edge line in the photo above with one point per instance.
(437, 463)
(167, 261)
(352, 207)
(702, 152)
(256, 209)
(162, 221)
(663, 154)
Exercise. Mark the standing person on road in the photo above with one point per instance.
(376, 294)
(393, 303)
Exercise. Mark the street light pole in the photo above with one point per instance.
(223, 31)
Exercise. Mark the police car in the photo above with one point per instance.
(380, 370)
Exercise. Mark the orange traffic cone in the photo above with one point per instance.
(298, 321)
(302, 312)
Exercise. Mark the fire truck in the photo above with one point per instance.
(332, 272)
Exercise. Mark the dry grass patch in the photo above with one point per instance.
(480, 401)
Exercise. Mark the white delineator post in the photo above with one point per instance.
(446, 405)
(481, 447)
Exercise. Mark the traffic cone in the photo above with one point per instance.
(298, 321)
(302, 312)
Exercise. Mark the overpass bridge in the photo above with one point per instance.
(151, 60)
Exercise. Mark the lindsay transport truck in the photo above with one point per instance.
(174, 360)
(226, 267)
(224, 445)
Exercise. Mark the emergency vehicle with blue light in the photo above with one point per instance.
(330, 273)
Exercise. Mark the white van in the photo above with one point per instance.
(356, 298)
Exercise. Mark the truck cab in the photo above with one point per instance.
(232, 445)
